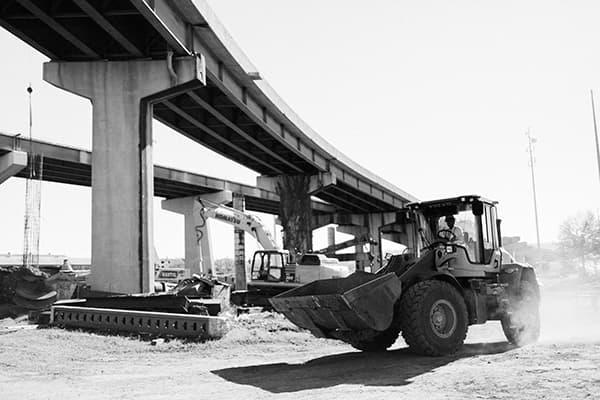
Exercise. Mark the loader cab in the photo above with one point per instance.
(463, 228)
(269, 265)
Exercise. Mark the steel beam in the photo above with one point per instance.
(11, 28)
(239, 131)
(108, 27)
(161, 27)
(359, 198)
(177, 110)
(58, 28)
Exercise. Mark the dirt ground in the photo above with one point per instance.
(264, 357)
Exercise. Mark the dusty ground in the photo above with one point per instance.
(264, 357)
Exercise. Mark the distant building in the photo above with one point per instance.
(47, 260)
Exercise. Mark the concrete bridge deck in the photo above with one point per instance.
(173, 61)
(235, 114)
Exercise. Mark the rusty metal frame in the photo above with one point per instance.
(154, 323)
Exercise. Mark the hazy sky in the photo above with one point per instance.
(433, 96)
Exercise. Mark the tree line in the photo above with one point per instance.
(579, 241)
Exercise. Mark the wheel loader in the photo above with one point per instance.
(447, 279)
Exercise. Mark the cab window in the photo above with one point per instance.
(487, 227)
(465, 220)
(275, 265)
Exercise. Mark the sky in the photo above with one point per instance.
(433, 96)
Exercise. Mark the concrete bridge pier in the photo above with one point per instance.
(295, 209)
(372, 257)
(239, 246)
(198, 247)
(122, 94)
(362, 225)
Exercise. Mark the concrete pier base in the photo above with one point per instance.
(122, 94)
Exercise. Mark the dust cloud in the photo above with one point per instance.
(570, 310)
(569, 313)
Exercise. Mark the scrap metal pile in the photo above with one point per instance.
(24, 289)
(191, 309)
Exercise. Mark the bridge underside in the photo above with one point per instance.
(228, 115)
(174, 61)
(72, 166)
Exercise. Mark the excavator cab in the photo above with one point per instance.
(269, 265)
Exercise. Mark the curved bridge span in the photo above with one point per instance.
(174, 61)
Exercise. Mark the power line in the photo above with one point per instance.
(595, 132)
(530, 149)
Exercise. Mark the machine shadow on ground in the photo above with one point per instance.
(391, 368)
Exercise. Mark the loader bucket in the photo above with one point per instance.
(362, 301)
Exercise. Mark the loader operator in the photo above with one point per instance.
(454, 233)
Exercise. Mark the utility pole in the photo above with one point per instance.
(530, 149)
(31, 234)
(595, 132)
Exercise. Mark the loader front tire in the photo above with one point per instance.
(375, 341)
(433, 317)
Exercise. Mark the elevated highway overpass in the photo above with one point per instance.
(174, 61)
(70, 165)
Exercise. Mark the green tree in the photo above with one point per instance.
(579, 238)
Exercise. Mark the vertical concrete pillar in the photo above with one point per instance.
(374, 222)
(330, 236)
(198, 246)
(362, 259)
(239, 243)
(122, 94)
(295, 213)
(369, 226)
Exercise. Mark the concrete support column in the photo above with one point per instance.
(198, 247)
(375, 221)
(239, 243)
(362, 258)
(11, 164)
(122, 94)
(295, 211)
(330, 236)
(369, 227)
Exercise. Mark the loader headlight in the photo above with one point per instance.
(449, 249)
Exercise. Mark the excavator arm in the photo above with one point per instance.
(253, 225)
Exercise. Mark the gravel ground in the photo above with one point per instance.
(263, 356)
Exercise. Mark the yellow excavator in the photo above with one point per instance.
(271, 272)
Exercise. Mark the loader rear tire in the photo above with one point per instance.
(434, 318)
(521, 325)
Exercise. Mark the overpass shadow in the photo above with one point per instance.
(391, 368)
